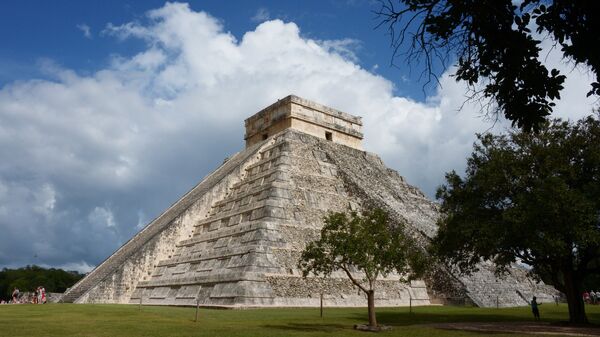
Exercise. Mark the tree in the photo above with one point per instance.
(497, 53)
(368, 244)
(30, 277)
(528, 198)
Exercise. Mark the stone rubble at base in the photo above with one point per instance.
(234, 240)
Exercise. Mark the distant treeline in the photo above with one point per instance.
(30, 277)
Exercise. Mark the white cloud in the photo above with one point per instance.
(138, 134)
(142, 221)
(81, 266)
(44, 200)
(87, 31)
(262, 14)
(573, 103)
(102, 216)
(344, 47)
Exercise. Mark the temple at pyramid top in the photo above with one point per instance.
(293, 112)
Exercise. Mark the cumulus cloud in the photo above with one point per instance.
(87, 160)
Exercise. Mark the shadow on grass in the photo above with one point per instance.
(406, 319)
(479, 332)
(308, 327)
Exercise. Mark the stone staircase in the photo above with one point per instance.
(108, 266)
(367, 176)
(244, 253)
(512, 289)
(226, 255)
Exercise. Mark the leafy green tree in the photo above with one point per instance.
(30, 277)
(530, 198)
(368, 244)
(494, 45)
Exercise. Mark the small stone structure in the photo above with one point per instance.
(293, 112)
(234, 240)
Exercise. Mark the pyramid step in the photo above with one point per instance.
(157, 226)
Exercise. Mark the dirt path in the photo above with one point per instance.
(533, 328)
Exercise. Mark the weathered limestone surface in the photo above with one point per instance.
(114, 280)
(515, 288)
(235, 239)
(293, 112)
(365, 175)
(245, 252)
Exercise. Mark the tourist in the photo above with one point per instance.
(534, 309)
(15, 295)
(42, 295)
(38, 294)
(593, 297)
(586, 297)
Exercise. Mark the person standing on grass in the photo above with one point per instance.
(42, 295)
(534, 308)
(15, 295)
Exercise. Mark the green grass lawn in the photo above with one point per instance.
(127, 320)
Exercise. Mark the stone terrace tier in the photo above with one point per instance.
(245, 251)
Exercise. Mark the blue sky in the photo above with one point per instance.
(32, 31)
(110, 111)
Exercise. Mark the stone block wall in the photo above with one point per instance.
(306, 116)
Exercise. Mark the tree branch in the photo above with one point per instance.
(344, 267)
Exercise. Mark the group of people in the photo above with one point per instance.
(591, 297)
(36, 297)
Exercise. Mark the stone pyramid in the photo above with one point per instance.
(234, 240)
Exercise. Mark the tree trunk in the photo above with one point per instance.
(371, 301)
(573, 291)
